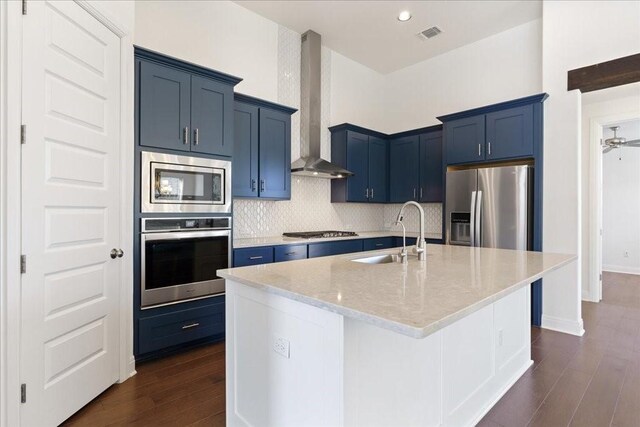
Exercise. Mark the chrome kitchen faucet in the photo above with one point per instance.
(421, 245)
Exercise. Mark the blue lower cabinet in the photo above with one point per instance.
(252, 256)
(163, 331)
(334, 248)
(290, 253)
(378, 243)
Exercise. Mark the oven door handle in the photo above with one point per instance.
(181, 235)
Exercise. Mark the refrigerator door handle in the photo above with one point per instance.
(478, 218)
(472, 219)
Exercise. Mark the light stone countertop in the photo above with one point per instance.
(281, 240)
(415, 299)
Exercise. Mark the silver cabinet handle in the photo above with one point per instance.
(366, 192)
(255, 257)
(196, 135)
(479, 150)
(378, 244)
(420, 193)
(414, 193)
(489, 148)
(262, 185)
(372, 192)
(253, 185)
(193, 325)
(185, 135)
(290, 253)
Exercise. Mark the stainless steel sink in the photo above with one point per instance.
(378, 259)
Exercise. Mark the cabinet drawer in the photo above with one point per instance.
(252, 256)
(378, 243)
(289, 253)
(334, 248)
(166, 330)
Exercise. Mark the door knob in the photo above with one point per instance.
(116, 253)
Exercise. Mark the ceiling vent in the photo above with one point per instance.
(430, 33)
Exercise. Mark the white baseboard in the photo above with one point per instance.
(621, 269)
(567, 326)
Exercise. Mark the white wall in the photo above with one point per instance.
(621, 203)
(357, 94)
(499, 68)
(219, 35)
(572, 37)
(602, 107)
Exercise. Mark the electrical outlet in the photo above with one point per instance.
(281, 346)
(626, 254)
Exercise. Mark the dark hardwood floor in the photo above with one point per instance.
(592, 380)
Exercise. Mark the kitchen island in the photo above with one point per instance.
(331, 341)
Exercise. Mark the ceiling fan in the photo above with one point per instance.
(617, 141)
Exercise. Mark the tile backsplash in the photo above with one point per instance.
(310, 209)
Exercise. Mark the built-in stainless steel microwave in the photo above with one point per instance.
(172, 183)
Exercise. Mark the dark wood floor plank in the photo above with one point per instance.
(563, 400)
(599, 401)
(627, 412)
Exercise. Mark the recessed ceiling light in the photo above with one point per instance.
(405, 15)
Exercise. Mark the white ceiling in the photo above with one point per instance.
(368, 31)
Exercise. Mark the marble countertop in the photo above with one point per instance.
(281, 240)
(415, 299)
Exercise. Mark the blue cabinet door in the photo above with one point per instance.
(431, 176)
(378, 170)
(358, 163)
(164, 114)
(211, 115)
(510, 133)
(245, 151)
(275, 154)
(290, 252)
(252, 256)
(334, 248)
(464, 139)
(404, 169)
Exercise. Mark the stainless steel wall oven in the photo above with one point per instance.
(179, 258)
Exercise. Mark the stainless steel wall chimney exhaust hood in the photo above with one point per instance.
(310, 163)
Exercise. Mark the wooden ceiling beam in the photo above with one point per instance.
(604, 75)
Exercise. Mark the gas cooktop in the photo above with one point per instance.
(320, 234)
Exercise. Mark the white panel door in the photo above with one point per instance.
(70, 189)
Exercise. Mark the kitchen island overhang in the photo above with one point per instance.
(329, 341)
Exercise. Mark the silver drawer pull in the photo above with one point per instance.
(255, 257)
(193, 325)
(378, 244)
(196, 136)
(290, 253)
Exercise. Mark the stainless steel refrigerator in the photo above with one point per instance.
(490, 207)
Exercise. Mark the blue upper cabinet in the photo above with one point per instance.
(465, 140)
(275, 154)
(404, 169)
(501, 131)
(358, 163)
(245, 150)
(510, 133)
(365, 153)
(182, 106)
(211, 110)
(262, 149)
(431, 171)
(165, 107)
(378, 169)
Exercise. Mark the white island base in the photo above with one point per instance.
(293, 364)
